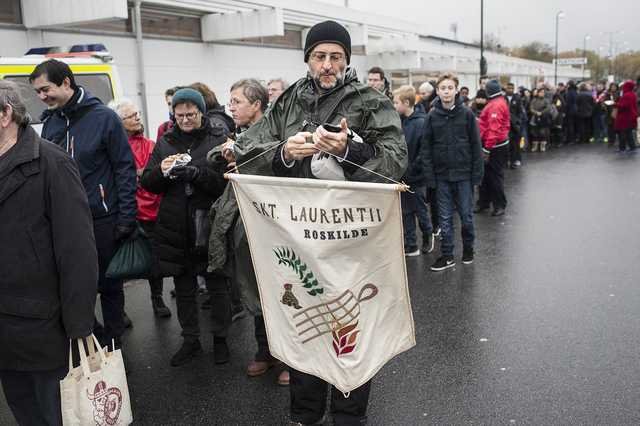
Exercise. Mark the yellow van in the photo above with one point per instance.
(92, 66)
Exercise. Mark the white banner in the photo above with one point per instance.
(329, 261)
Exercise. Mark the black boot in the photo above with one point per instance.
(189, 350)
(220, 350)
(159, 308)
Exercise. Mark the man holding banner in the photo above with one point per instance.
(327, 250)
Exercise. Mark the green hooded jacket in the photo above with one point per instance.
(302, 107)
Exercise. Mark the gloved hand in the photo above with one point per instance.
(185, 173)
(122, 232)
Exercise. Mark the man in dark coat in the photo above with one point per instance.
(93, 135)
(49, 268)
(571, 99)
(516, 113)
(584, 107)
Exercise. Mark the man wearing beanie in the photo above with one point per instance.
(365, 130)
(178, 170)
(494, 123)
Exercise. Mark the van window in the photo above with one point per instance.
(99, 85)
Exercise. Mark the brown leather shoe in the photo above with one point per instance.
(283, 378)
(258, 368)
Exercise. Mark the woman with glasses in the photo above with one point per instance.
(178, 170)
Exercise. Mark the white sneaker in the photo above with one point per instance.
(412, 251)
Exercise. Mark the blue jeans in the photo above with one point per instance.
(458, 195)
(415, 205)
(599, 126)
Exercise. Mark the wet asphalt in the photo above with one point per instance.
(543, 329)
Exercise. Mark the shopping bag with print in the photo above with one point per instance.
(95, 392)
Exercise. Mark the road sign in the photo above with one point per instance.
(571, 61)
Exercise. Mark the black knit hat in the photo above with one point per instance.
(327, 32)
(493, 89)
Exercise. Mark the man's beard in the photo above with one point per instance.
(328, 86)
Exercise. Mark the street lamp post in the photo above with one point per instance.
(555, 73)
(483, 61)
(584, 53)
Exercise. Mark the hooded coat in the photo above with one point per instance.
(369, 113)
(627, 106)
(94, 136)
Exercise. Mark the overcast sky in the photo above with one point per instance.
(518, 22)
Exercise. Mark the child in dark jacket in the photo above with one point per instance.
(453, 164)
(414, 205)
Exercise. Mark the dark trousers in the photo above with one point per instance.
(234, 290)
(611, 134)
(627, 140)
(492, 187)
(458, 195)
(110, 290)
(219, 287)
(155, 283)
(514, 146)
(309, 397)
(432, 200)
(34, 396)
(415, 206)
(187, 305)
(263, 353)
(570, 128)
(599, 126)
(584, 129)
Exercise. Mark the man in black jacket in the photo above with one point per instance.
(93, 135)
(453, 164)
(584, 107)
(49, 268)
(516, 113)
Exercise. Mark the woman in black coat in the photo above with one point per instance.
(188, 188)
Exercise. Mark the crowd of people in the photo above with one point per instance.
(69, 209)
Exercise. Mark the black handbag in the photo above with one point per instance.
(133, 259)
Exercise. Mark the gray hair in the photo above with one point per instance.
(254, 91)
(118, 105)
(10, 95)
(284, 84)
(426, 87)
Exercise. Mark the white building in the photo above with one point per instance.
(220, 41)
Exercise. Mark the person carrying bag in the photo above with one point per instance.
(95, 392)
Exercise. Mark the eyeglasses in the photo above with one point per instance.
(189, 116)
(234, 102)
(132, 115)
(321, 57)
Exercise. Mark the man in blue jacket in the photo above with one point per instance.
(93, 135)
(414, 204)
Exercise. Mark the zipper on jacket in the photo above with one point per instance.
(102, 195)
(68, 151)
